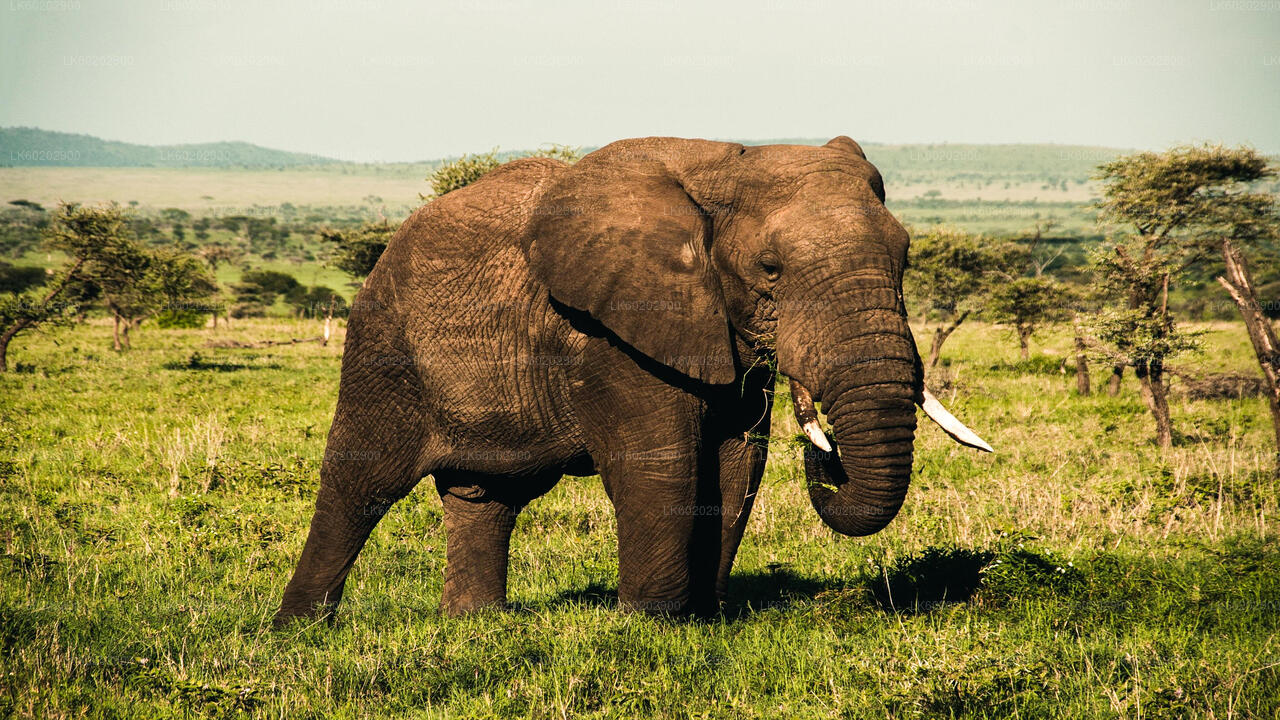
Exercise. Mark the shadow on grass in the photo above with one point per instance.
(597, 594)
(775, 588)
(749, 592)
(921, 582)
(918, 583)
(197, 362)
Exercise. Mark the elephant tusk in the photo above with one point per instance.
(814, 432)
(807, 416)
(950, 425)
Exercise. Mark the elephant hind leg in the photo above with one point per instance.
(479, 514)
(372, 460)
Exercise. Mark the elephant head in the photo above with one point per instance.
(690, 251)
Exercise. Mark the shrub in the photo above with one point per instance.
(462, 172)
(469, 168)
(185, 318)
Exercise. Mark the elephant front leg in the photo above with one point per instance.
(680, 529)
(741, 465)
(738, 435)
(645, 436)
(655, 503)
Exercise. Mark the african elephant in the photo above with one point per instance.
(624, 316)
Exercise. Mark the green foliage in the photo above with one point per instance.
(188, 318)
(563, 153)
(1174, 208)
(269, 281)
(28, 309)
(358, 249)
(1136, 337)
(950, 271)
(181, 281)
(217, 254)
(258, 290)
(96, 233)
(459, 173)
(1168, 195)
(17, 278)
(315, 301)
(22, 226)
(1027, 303)
(934, 575)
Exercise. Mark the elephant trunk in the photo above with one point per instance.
(859, 487)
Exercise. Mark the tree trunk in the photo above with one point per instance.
(1082, 361)
(1156, 397)
(940, 336)
(1024, 343)
(4, 345)
(1239, 284)
(1117, 374)
(120, 332)
(1160, 406)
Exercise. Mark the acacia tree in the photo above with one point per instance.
(185, 287)
(23, 311)
(85, 235)
(1182, 207)
(950, 271)
(358, 250)
(1136, 328)
(1026, 303)
(125, 278)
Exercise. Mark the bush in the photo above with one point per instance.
(359, 249)
(270, 281)
(248, 309)
(462, 172)
(185, 318)
(469, 168)
(258, 289)
(17, 278)
(313, 302)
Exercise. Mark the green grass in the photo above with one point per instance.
(153, 503)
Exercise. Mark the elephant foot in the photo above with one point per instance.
(308, 612)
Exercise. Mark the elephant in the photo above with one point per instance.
(626, 316)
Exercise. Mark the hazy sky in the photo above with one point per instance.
(384, 80)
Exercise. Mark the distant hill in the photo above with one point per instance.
(1008, 162)
(27, 147)
(955, 161)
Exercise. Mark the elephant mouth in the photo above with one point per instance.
(807, 416)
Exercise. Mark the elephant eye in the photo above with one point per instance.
(770, 265)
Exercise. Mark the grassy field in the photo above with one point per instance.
(153, 503)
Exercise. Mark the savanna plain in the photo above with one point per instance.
(153, 502)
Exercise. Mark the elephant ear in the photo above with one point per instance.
(626, 244)
(844, 143)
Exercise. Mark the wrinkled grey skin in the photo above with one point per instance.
(622, 316)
